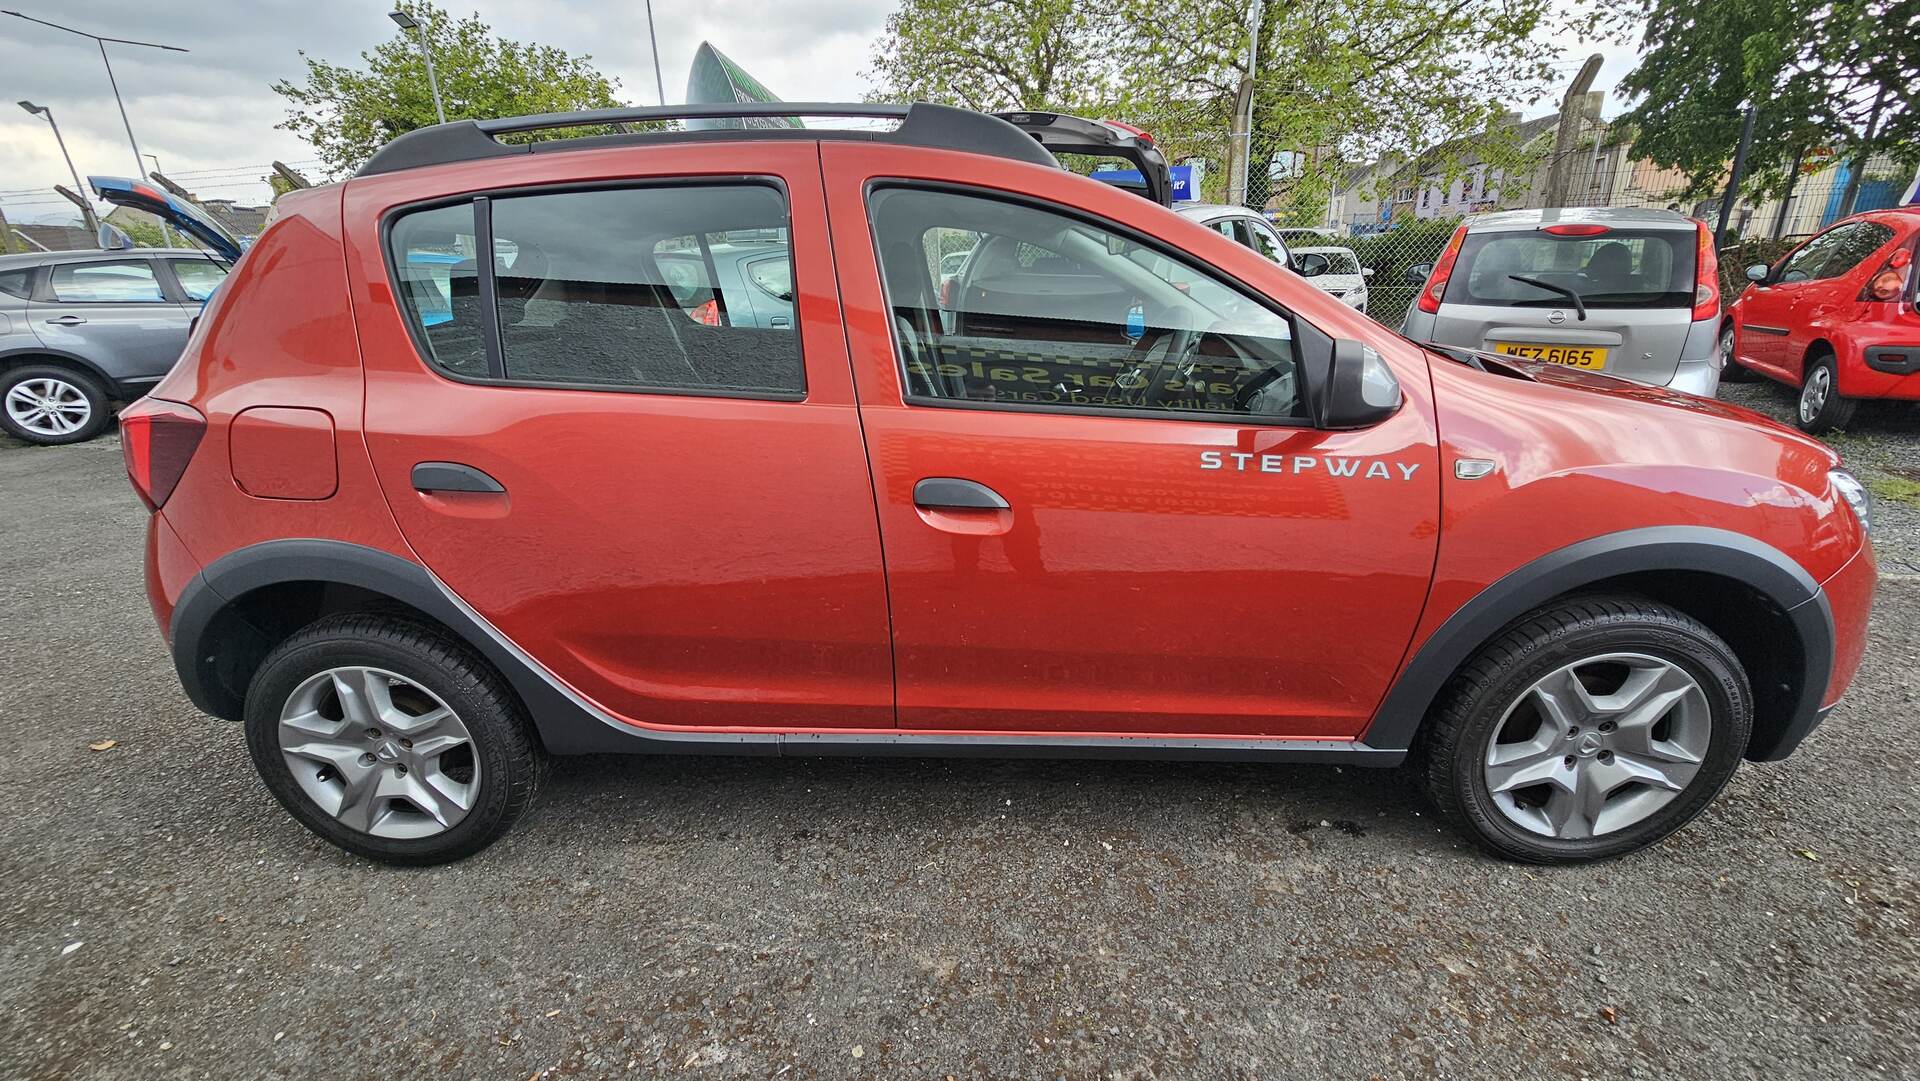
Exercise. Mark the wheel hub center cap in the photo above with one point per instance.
(388, 751)
(1588, 746)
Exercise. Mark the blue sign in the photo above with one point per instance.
(1186, 180)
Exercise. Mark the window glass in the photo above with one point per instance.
(773, 277)
(199, 277)
(439, 286)
(1051, 312)
(16, 283)
(1835, 252)
(1265, 242)
(119, 281)
(1621, 268)
(615, 288)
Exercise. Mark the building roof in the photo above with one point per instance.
(54, 237)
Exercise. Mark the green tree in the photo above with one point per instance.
(998, 54)
(1822, 75)
(347, 113)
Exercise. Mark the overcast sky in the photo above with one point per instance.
(209, 116)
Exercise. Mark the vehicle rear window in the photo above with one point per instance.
(1621, 268)
(610, 288)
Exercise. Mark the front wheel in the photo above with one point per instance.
(1589, 730)
(390, 740)
(1821, 409)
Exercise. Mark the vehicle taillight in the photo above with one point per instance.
(158, 439)
(1574, 230)
(1436, 286)
(708, 313)
(946, 292)
(1706, 275)
(1137, 133)
(1890, 280)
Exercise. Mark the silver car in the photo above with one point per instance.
(1621, 291)
(1239, 224)
(81, 329)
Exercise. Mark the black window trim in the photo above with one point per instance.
(162, 278)
(416, 333)
(1294, 322)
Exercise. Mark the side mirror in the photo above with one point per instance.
(1311, 265)
(1418, 274)
(1366, 272)
(1757, 273)
(113, 238)
(1361, 389)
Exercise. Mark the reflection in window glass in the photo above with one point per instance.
(1048, 311)
(199, 277)
(439, 286)
(116, 282)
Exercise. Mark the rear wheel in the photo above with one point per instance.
(1588, 730)
(390, 740)
(1821, 409)
(51, 406)
(1731, 370)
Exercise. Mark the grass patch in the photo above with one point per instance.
(1896, 489)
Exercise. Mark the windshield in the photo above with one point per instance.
(1615, 269)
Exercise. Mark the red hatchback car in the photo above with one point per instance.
(500, 449)
(1836, 317)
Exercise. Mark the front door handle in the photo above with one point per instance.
(66, 321)
(453, 477)
(954, 493)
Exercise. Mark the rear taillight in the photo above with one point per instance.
(1890, 280)
(1706, 274)
(708, 313)
(1436, 286)
(158, 439)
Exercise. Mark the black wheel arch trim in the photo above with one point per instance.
(569, 724)
(1657, 548)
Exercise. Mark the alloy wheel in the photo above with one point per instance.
(1598, 745)
(1813, 394)
(49, 406)
(380, 753)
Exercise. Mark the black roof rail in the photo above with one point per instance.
(921, 124)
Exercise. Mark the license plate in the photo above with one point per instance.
(1575, 356)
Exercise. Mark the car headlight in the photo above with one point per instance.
(1856, 495)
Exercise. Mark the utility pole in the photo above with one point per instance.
(1739, 175)
(1786, 198)
(1860, 159)
(165, 233)
(292, 178)
(659, 86)
(1566, 137)
(1242, 153)
(138, 165)
(86, 208)
(407, 22)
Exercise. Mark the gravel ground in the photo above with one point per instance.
(162, 918)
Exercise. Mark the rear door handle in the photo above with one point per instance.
(452, 477)
(955, 493)
(67, 321)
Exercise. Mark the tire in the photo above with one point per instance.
(1820, 408)
(1485, 714)
(79, 405)
(1731, 370)
(386, 797)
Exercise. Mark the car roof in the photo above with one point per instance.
(1628, 216)
(1210, 211)
(84, 255)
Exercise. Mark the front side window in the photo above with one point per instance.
(1835, 252)
(199, 277)
(1054, 313)
(116, 282)
(1620, 268)
(610, 288)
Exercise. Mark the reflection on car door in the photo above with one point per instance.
(115, 313)
(1097, 516)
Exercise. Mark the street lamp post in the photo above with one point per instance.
(138, 167)
(408, 22)
(93, 224)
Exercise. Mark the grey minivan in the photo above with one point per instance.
(1630, 292)
(81, 329)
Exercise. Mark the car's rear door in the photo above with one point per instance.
(666, 506)
(1094, 520)
(1635, 283)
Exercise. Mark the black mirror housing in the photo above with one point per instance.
(1360, 387)
(1311, 265)
(1417, 275)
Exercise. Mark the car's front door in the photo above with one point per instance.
(1104, 505)
(1773, 331)
(114, 313)
(664, 503)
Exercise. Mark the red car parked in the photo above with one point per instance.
(1837, 317)
(420, 516)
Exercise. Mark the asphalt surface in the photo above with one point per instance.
(160, 917)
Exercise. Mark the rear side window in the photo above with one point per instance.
(199, 277)
(1621, 268)
(115, 282)
(16, 283)
(1054, 313)
(611, 288)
